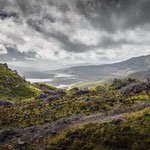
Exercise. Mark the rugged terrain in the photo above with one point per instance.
(40, 116)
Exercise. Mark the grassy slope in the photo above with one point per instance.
(35, 112)
(132, 134)
(12, 86)
(43, 86)
(90, 84)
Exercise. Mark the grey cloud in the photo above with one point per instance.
(100, 13)
(14, 54)
(4, 15)
(108, 16)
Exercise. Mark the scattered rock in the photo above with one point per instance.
(5, 103)
(118, 83)
(54, 132)
(120, 100)
(21, 145)
(51, 95)
(80, 92)
(3, 65)
(6, 134)
(87, 99)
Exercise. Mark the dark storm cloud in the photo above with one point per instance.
(74, 26)
(100, 13)
(4, 15)
(14, 54)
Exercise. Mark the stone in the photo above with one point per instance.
(53, 132)
(135, 88)
(5, 103)
(120, 100)
(87, 99)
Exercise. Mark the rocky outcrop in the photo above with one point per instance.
(80, 92)
(135, 88)
(118, 83)
(3, 65)
(50, 95)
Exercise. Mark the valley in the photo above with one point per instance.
(89, 76)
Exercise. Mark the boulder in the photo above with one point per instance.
(51, 95)
(5, 103)
(118, 83)
(135, 88)
(80, 92)
(6, 134)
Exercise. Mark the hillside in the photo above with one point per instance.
(109, 71)
(114, 116)
(13, 86)
(140, 75)
(103, 117)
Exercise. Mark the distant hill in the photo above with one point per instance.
(108, 71)
(140, 75)
(94, 72)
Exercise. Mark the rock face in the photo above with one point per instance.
(135, 88)
(5, 103)
(50, 95)
(118, 83)
(80, 92)
(3, 65)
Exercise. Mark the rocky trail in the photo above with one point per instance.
(30, 133)
(25, 135)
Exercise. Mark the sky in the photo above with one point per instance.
(51, 34)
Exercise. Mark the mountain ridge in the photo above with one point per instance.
(119, 69)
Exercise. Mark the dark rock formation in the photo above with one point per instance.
(3, 65)
(135, 88)
(118, 83)
(80, 92)
(51, 95)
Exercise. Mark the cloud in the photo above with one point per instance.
(10, 53)
(74, 31)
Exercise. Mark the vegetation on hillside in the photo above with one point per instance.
(130, 133)
(44, 87)
(41, 105)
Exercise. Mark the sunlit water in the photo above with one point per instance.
(49, 80)
(39, 80)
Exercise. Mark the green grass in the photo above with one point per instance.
(12, 86)
(90, 84)
(43, 86)
(132, 134)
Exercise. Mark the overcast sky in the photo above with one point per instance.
(53, 33)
